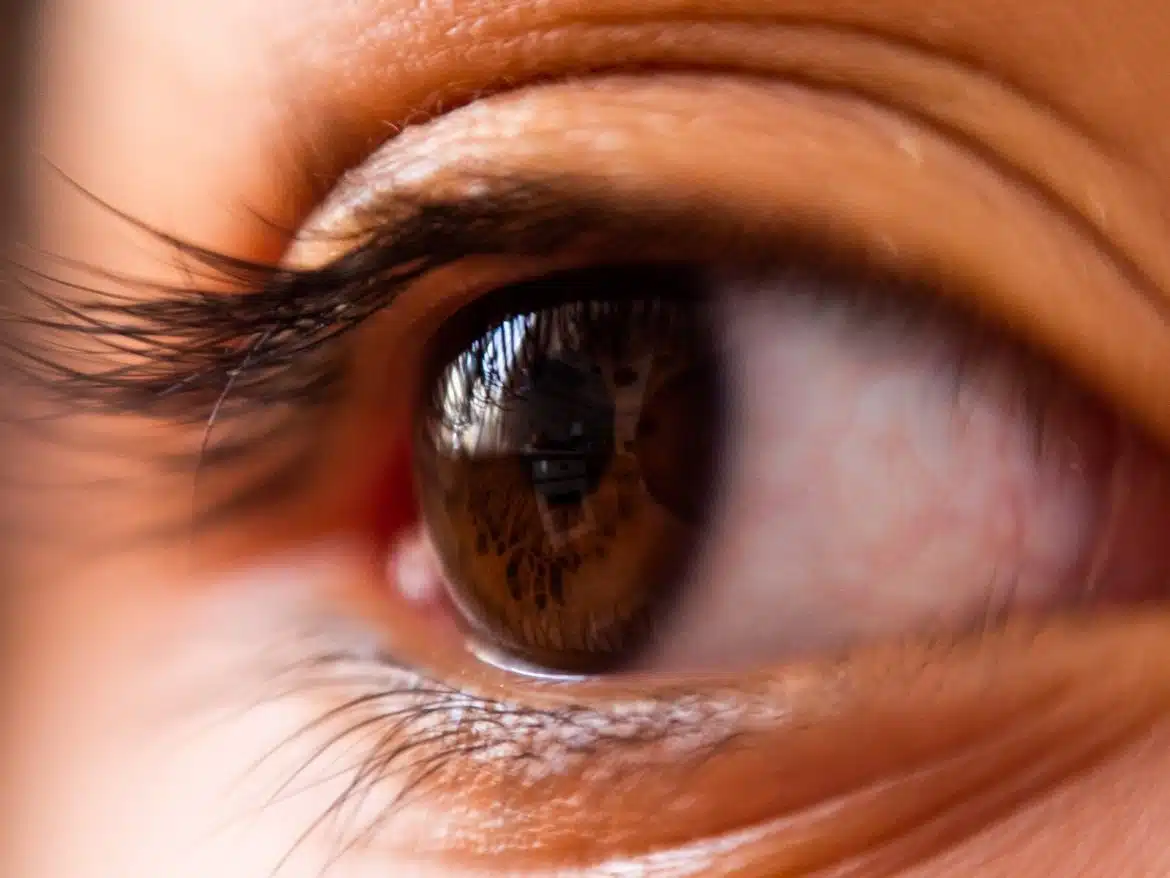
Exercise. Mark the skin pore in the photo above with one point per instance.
(180, 705)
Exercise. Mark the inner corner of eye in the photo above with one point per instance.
(394, 511)
(627, 466)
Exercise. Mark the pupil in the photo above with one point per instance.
(566, 415)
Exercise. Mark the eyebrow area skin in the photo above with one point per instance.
(226, 123)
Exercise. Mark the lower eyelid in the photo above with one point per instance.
(944, 723)
(537, 775)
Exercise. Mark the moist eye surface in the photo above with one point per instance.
(692, 467)
(566, 456)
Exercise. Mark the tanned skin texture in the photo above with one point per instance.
(1016, 152)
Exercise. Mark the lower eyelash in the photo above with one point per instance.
(402, 736)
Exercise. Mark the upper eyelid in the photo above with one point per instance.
(253, 346)
(190, 340)
(258, 334)
(1100, 191)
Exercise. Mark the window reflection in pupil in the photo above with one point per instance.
(567, 413)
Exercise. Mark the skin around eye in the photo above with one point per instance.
(1017, 149)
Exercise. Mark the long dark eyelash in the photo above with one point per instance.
(108, 343)
(246, 349)
(245, 337)
(175, 348)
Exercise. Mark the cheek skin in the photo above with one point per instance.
(134, 92)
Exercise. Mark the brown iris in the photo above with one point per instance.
(565, 458)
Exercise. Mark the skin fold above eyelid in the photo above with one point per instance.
(891, 62)
(1035, 273)
(351, 94)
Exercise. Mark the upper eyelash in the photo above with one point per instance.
(256, 325)
(248, 344)
(186, 344)
(252, 345)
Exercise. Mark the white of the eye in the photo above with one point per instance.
(868, 493)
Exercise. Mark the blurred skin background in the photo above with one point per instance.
(14, 44)
(13, 17)
(586, 437)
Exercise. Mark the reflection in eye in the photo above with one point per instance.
(568, 454)
(668, 467)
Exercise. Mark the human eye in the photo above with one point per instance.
(636, 477)
(679, 468)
